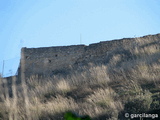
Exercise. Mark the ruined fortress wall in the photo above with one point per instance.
(46, 60)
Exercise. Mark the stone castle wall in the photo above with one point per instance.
(47, 60)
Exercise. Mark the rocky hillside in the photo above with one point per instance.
(110, 80)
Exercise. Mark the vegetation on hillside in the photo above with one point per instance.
(101, 91)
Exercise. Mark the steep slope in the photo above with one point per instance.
(104, 80)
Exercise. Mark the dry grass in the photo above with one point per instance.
(106, 97)
(101, 91)
(50, 98)
(63, 86)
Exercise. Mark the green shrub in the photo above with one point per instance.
(73, 116)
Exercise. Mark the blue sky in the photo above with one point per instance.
(42, 23)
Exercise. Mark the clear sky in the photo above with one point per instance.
(42, 23)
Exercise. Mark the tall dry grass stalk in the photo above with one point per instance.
(63, 86)
(11, 103)
(14, 104)
(7, 101)
(105, 97)
(90, 76)
(24, 86)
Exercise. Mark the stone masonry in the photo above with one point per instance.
(47, 60)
